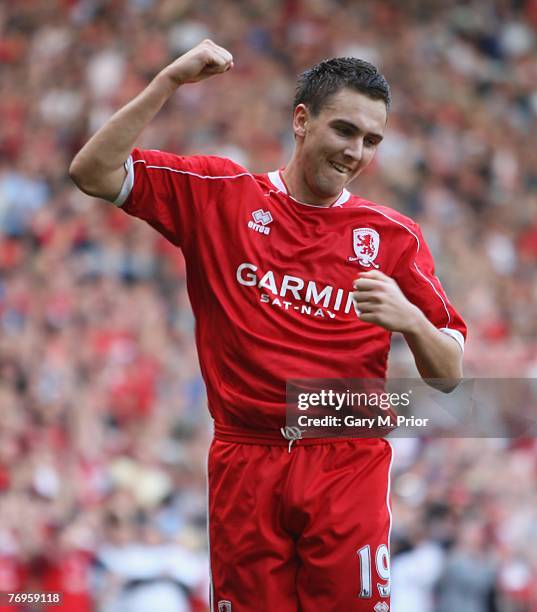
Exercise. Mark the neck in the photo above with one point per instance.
(297, 186)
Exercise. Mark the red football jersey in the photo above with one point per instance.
(270, 278)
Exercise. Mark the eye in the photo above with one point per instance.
(344, 131)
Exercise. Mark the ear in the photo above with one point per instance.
(300, 120)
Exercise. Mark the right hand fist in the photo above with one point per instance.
(201, 62)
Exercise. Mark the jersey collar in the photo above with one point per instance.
(276, 179)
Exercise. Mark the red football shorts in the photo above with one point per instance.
(304, 529)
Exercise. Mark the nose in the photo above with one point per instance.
(355, 149)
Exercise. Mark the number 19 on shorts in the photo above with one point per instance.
(382, 562)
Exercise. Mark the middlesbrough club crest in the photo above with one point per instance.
(224, 605)
(365, 242)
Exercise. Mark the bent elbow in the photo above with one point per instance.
(445, 385)
(95, 180)
(450, 384)
(76, 174)
(81, 178)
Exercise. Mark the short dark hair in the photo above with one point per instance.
(320, 82)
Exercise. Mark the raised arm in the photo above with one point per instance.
(98, 168)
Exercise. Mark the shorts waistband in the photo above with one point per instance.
(270, 437)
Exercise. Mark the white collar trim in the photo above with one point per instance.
(277, 181)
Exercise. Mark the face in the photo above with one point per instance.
(334, 147)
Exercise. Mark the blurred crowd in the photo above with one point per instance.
(104, 426)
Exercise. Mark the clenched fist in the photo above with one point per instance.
(380, 301)
(201, 62)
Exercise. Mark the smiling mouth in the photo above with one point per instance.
(340, 168)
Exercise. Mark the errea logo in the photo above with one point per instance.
(260, 221)
(381, 607)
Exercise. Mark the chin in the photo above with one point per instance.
(326, 193)
(335, 189)
(325, 187)
(329, 187)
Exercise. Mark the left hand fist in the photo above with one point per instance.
(380, 301)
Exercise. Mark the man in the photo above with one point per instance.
(289, 276)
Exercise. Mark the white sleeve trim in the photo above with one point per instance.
(456, 335)
(128, 183)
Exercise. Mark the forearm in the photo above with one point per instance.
(98, 167)
(107, 150)
(437, 355)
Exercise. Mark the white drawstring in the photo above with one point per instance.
(291, 434)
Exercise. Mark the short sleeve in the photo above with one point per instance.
(170, 191)
(415, 276)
